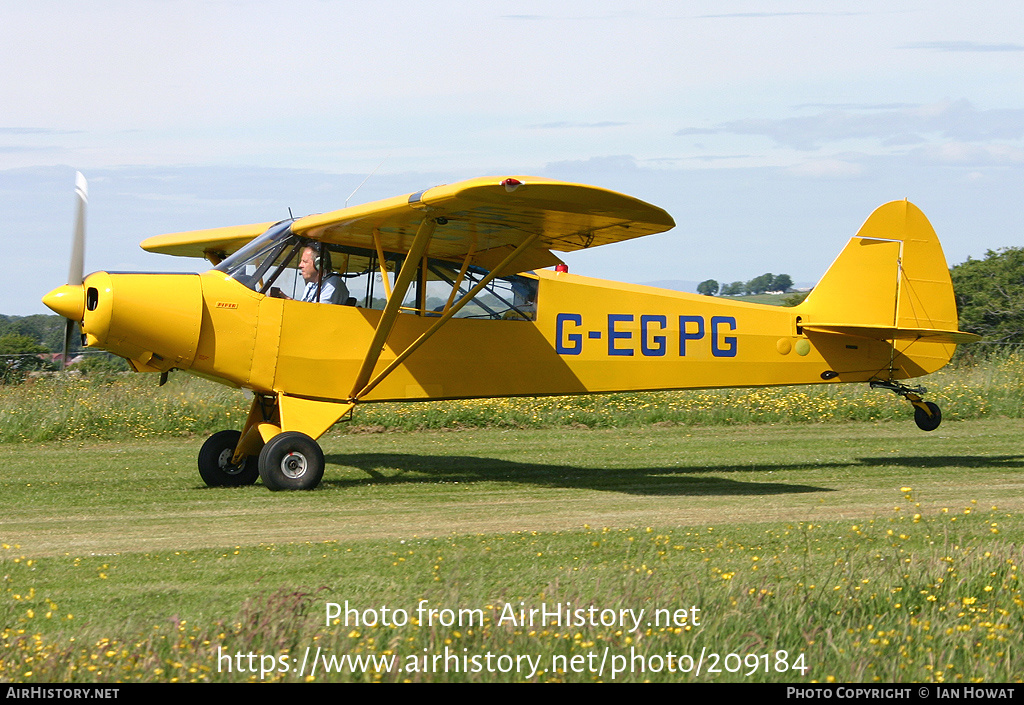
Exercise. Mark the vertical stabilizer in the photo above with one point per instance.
(892, 273)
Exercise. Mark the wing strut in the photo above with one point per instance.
(458, 282)
(387, 320)
(382, 263)
(445, 317)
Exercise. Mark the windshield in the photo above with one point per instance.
(273, 249)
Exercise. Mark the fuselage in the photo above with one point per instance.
(588, 335)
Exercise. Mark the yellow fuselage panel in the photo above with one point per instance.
(229, 327)
(322, 348)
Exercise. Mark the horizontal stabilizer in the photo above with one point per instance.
(932, 335)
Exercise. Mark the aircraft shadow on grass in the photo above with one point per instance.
(401, 468)
(419, 469)
(994, 462)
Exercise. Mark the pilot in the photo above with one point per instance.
(322, 284)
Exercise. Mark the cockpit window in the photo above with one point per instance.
(506, 298)
(250, 265)
(270, 265)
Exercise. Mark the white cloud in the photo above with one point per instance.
(958, 120)
(243, 108)
(768, 15)
(732, 222)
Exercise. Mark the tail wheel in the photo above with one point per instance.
(923, 420)
(291, 461)
(215, 464)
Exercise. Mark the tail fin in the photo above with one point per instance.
(891, 274)
(891, 282)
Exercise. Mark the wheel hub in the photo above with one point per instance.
(224, 461)
(294, 465)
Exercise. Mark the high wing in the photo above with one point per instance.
(214, 244)
(486, 218)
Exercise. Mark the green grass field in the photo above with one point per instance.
(858, 551)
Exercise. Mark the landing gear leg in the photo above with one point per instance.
(927, 415)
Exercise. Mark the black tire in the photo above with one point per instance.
(215, 465)
(926, 422)
(291, 461)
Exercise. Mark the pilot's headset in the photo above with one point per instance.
(322, 259)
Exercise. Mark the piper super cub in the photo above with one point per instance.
(456, 292)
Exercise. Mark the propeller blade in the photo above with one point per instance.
(69, 329)
(76, 272)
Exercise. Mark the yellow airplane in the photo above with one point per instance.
(455, 292)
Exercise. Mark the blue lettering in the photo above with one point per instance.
(575, 340)
(658, 348)
(614, 335)
(730, 341)
(652, 333)
(685, 335)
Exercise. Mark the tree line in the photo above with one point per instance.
(758, 285)
(990, 296)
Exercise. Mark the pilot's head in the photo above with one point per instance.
(307, 264)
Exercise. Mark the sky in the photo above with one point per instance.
(769, 130)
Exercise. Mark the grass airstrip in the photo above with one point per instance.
(790, 550)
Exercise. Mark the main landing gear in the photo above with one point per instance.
(927, 415)
(215, 464)
(289, 461)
